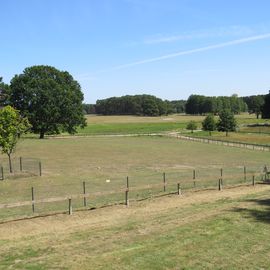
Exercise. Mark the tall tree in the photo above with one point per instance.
(226, 122)
(12, 125)
(209, 123)
(49, 98)
(266, 107)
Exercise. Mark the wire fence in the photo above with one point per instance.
(57, 198)
(250, 146)
(20, 167)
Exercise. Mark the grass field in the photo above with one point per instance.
(138, 124)
(208, 230)
(195, 231)
(67, 162)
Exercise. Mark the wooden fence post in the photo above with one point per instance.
(69, 207)
(253, 180)
(219, 184)
(164, 182)
(179, 189)
(126, 198)
(84, 192)
(221, 175)
(40, 169)
(33, 200)
(2, 172)
(127, 183)
(245, 173)
(21, 165)
(194, 178)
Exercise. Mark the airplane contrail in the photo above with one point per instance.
(202, 49)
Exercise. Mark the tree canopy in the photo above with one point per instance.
(266, 107)
(49, 98)
(209, 123)
(226, 122)
(255, 104)
(4, 92)
(191, 125)
(198, 104)
(12, 125)
(147, 105)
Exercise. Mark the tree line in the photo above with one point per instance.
(196, 104)
(146, 105)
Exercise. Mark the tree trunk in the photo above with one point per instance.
(10, 163)
(41, 134)
(257, 114)
(226, 133)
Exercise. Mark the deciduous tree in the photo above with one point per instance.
(209, 123)
(192, 125)
(49, 98)
(12, 125)
(226, 122)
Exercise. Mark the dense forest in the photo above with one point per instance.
(196, 104)
(134, 105)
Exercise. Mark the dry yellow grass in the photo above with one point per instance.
(128, 238)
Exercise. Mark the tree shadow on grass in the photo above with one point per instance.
(261, 213)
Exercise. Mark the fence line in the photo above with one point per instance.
(260, 147)
(21, 167)
(175, 187)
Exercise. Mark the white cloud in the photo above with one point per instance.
(231, 31)
(192, 51)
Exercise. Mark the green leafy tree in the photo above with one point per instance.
(12, 125)
(49, 98)
(266, 107)
(4, 91)
(192, 125)
(226, 121)
(209, 123)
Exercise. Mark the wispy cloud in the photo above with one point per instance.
(180, 53)
(192, 51)
(231, 31)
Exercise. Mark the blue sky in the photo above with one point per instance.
(168, 48)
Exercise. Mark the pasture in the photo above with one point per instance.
(156, 233)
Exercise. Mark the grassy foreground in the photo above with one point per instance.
(205, 230)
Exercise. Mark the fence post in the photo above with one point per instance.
(127, 183)
(40, 171)
(126, 198)
(21, 165)
(179, 189)
(221, 175)
(219, 184)
(253, 180)
(33, 200)
(245, 173)
(84, 192)
(69, 207)
(164, 182)
(2, 172)
(194, 178)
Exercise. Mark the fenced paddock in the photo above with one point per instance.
(57, 198)
(250, 146)
(21, 167)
